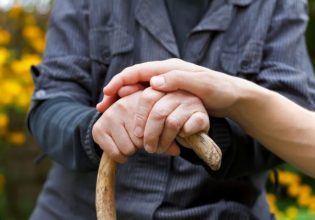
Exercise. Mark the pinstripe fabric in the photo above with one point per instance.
(91, 41)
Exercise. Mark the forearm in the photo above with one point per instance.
(61, 127)
(283, 127)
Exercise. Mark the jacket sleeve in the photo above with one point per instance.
(285, 68)
(61, 116)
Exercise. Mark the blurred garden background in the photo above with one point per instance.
(22, 41)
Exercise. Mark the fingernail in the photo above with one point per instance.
(157, 81)
(138, 132)
(148, 148)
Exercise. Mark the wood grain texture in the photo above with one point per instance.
(105, 189)
(205, 148)
(201, 144)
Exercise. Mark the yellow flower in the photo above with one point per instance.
(294, 190)
(16, 11)
(271, 199)
(6, 100)
(305, 190)
(17, 138)
(4, 120)
(2, 182)
(4, 55)
(292, 212)
(5, 37)
(287, 178)
(23, 100)
(11, 87)
(30, 20)
(312, 207)
(22, 67)
(304, 200)
(38, 44)
(32, 32)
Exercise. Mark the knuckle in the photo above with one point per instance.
(175, 60)
(128, 150)
(96, 128)
(114, 154)
(148, 96)
(173, 123)
(120, 104)
(159, 113)
(97, 131)
(175, 73)
(138, 142)
(109, 114)
(140, 118)
(201, 120)
(193, 99)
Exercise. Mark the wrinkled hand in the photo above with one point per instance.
(161, 117)
(113, 131)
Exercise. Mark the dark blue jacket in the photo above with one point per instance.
(88, 42)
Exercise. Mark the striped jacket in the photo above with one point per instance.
(88, 42)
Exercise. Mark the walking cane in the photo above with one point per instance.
(200, 143)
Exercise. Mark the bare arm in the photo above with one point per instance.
(285, 128)
(282, 126)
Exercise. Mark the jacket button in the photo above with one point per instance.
(40, 93)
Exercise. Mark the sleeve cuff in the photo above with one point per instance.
(92, 150)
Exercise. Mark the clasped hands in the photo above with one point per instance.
(180, 98)
(139, 117)
(150, 119)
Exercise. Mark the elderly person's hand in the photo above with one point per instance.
(160, 117)
(113, 131)
(151, 119)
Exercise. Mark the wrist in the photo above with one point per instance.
(249, 98)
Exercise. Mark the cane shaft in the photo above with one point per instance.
(200, 143)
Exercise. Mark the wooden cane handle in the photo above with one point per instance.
(201, 144)
(205, 148)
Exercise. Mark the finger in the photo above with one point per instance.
(138, 142)
(105, 103)
(179, 80)
(130, 89)
(198, 122)
(122, 140)
(143, 72)
(173, 124)
(110, 148)
(155, 123)
(147, 100)
(173, 150)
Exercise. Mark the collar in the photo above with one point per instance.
(153, 16)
